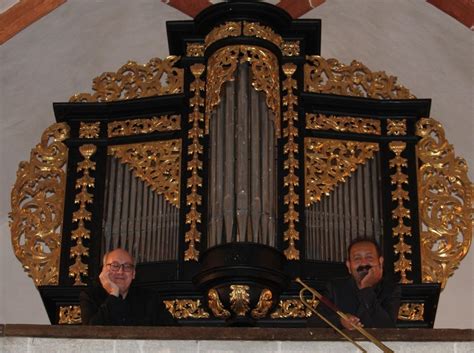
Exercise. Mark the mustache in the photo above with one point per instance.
(363, 269)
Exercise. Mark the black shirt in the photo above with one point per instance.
(141, 307)
(375, 306)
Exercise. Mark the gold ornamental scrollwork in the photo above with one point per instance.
(89, 130)
(70, 315)
(254, 29)
(400, 213)
(37, 200)
(195, 149)
(343, 124)
(397, 127)
(412, 312)
(445, 204)
(265, 76)
(134, 80)
(329, 162)
(293, 309)
(216, 305)
(84, 199)
(290, 164)
(186, 309)
(228, 29)
(330, 76)
(239, 299)
(144, 126)
(263, 305)
(156, 163)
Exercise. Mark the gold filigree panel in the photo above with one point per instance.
(400, 213)
(228, 29)
(37, 201)
(186, 309)
(156, 78)
(290, 164)
(397, 127)
(265, 76)
(89, 130)
(445, 204)
(412, 312)
(144, 126)
(329, 162)
(195, 49)
(195, 149)
(157, 163)
(343, 124)
(84, 199)
(70, 315)
(330, 76)
(293, 309)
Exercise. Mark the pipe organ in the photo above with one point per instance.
(243, 160)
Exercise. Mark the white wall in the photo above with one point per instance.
(59, 55)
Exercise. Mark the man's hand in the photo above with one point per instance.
(107, 283)
(350, 322)
(372, 278)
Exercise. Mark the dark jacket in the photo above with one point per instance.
(141, 307)
(375, 306)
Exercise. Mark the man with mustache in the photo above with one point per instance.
(368, 299)
(116, 302)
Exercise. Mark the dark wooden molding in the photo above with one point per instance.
(22, 14)
(461, 10)
(232, 333)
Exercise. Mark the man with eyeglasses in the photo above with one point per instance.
(116, 302)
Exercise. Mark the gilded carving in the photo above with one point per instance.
(134, 80)
(186, 309)
(144, 126)
(290, 164)
(195, 149)
(397, 127)
(330, 76)
(70, 315)
(89, 130)
(228, 29)
(329, 162)
(216, 306)
(254, 29)
(445, 204)
(400, 213)
(264, 65)
(239, 299)
(264, 304)
(294, 309)
(157, 163)
(37, 200)
(83, 198)
(412, 312)
(343, 124)
(195, 49)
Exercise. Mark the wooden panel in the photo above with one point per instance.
(22, 14)
(298, 8)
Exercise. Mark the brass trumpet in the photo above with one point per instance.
(318, 297)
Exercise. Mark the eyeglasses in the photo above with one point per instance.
(115, 267)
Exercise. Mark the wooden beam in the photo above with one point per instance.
(461, 10)
(22, 14)
(189, 7)
(297, 8)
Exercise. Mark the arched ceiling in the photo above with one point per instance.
(15, 15)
